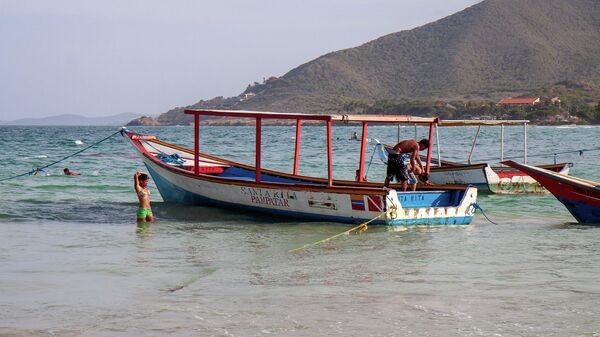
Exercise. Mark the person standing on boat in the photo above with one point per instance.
(140, 184)
(406, 150)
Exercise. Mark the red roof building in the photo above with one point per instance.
(519, 101)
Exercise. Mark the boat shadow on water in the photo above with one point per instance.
(191, 219)
(169, 212)
(573, 225)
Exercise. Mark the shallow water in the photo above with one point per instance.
(73, 263)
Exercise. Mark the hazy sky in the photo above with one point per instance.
(102, 57)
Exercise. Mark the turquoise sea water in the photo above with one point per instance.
(73, 263)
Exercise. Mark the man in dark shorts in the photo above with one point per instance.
(406, 150)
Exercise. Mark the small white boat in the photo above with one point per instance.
(186, 176)
(487, 178)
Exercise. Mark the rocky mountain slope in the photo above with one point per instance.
(488, 50)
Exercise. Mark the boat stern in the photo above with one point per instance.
(447, 207)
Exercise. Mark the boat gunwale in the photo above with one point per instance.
(570, 180)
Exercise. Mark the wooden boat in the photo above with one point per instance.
(195, 178)
(487, 178)
(581, 197)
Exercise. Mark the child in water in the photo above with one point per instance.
(140, 183)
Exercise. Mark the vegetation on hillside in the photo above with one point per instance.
(578, 104)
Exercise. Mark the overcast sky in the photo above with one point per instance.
(103, 57)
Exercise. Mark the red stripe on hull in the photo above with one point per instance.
(568, 191)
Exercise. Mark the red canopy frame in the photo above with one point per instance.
(328, 119)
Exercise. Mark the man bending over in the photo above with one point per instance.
(406, 150)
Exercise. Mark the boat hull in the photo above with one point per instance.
(497, 180)
(301, 203)
(580, 197)
(474, 175)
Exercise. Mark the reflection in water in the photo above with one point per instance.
(143, 230)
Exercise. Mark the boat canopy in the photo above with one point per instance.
(299, 117)
(394, 119)
(476, 122)
(485, 122)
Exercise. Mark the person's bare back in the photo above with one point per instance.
(410, 146)
(407, 146)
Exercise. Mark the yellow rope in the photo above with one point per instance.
(359, 229)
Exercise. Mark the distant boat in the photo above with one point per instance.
(569, 126)
(581, 197)
(487, 178)
(186, 176)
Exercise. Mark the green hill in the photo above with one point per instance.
(493, 49)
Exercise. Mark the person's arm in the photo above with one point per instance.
(413, 157)
(136, 182)
(416, 154)
(416, 158)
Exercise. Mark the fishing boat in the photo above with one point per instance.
(188, 176)
(581, 197)
(488, 179)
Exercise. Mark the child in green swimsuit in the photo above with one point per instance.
(140, 183)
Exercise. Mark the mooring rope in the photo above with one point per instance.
(359, 229)
(477, 207)
(60, 160)
(371, 161)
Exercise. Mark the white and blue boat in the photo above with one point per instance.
(187, 176)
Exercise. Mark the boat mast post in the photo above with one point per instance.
(525, 143)
(437, 145)
(297, 152)
(501, 144)
(473, 146)
(196, 143)
(398, 134)
(431, 128)
(363, 148)
(257, 160)
(329, 154)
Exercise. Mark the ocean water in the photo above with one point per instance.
(74, 263)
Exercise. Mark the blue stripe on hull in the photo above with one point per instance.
(584, 213)
(173, 194)
(434, 221)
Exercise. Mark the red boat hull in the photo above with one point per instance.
(581, 197)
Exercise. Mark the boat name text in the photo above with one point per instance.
(268, 196)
